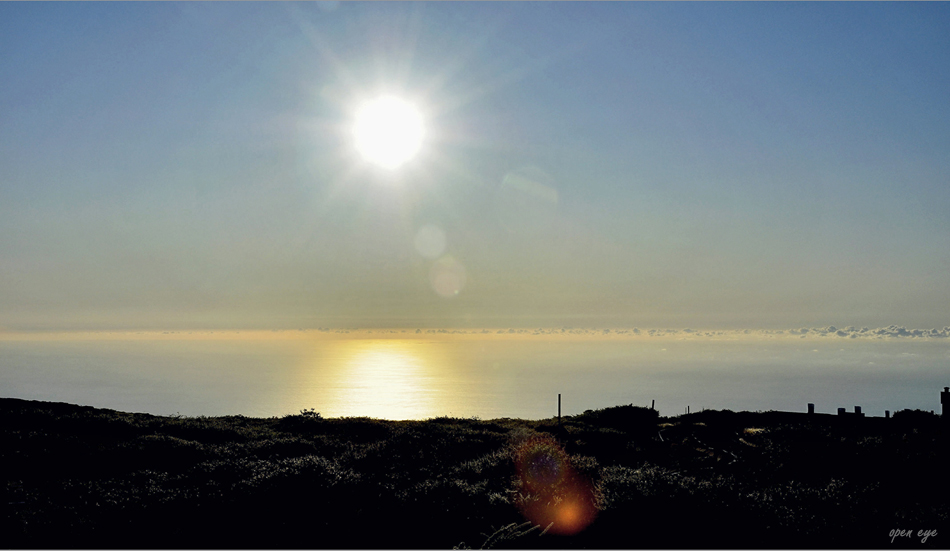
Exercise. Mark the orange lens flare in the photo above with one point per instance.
(553, 492)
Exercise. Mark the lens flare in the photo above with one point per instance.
(447, 277)
(526, 202)
(430, 241)
(554, 494)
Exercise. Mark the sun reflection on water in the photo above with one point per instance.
(392, 379)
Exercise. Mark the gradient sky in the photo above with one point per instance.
(190, 165)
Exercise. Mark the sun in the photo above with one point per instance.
(388, 131)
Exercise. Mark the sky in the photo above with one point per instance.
(192, 165)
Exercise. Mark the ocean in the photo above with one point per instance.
(401, 374)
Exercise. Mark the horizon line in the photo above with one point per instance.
(830, 331)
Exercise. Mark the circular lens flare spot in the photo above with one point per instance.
(430, 241)
(447, 277)
(554, 494)
(526, 201)
(388, 131)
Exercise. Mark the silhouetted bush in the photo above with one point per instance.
(916, 418)
(624, 418)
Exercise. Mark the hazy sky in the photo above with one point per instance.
(191, 165)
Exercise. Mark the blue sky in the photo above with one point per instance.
(189, 165)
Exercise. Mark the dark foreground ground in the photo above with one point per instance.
(614, 478)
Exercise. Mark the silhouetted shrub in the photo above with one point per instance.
(916, 418)
(624, 418)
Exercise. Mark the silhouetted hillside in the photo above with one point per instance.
(619, 477)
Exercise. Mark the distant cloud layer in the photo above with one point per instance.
(831, 331)
(864, 332)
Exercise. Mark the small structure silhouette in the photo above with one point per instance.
(858, 413)
(945, 403)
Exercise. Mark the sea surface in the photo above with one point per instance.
(404, 375)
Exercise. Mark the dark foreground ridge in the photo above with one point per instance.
(620, 477)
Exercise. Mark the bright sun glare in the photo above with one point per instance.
(388, 131)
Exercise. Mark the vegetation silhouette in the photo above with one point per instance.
(81, 477)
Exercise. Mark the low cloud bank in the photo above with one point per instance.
(831, 331)
(891, 331)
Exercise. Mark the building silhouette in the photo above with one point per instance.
(857, 413)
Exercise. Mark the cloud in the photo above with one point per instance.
(891, 331)
(620, 333)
